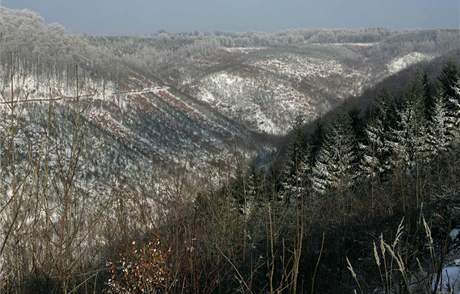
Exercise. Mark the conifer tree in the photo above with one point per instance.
(438, 134)
(453, 112)
(334, 166)
(296, 150)
(316, 142)
(295, 185)
(401, 137)
(449, 90)
(373, 162)
(408, 138)
(256, 183)
(240, 189)
(251, 192)
(448, 80)
(429, 99)
(376, 149)
(293, 175)
(418, 95)
(358, 126)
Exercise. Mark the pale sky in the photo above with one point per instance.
(147, 16)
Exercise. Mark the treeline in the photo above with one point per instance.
(395, 135)
(49, 51)
(180, 58)
(177, 58)
(304, 36)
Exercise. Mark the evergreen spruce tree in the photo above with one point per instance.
(239, 187)
(418, 96)
(247, 188)
(254, 186)
(296, 151)
(448, 80)
(408, 138)
(439, 134)
(376, 150)
(358, 124)
(316, 142)
(402, 139)
(295, 185)
(293, 175)
(429, 99)
(449, 85)
(250, 193)
(453, 113)
(359, 130)
(334, 167)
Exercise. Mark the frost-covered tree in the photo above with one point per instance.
(316, 141)
(419, 96)
(334, 167)
(295, 184)
(448, 80)
(297, 165)
(239, 188)
(453, 112)
(376, 149)
(406, 138)
(375, 152)
(439, 133)
(254, 190)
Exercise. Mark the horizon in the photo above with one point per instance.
(142, 17)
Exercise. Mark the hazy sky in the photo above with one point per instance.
(147, 16)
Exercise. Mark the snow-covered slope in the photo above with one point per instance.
(400, 63)
(264, 104)
(194, 100)
(132, 126)
(268, 91)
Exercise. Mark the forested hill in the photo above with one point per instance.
(382, 118)
(396, 86)
(194, 102)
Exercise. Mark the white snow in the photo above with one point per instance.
(400, 63)
(267, 105)
(450, 281)
(298, 67)
(454, 234)
(206, 96)
(347, 44)
(244, 50)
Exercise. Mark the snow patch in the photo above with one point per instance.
(299, 67)
(450, 280)
(206, 96)
(347, 44)
(400, 63)
(266, 105)
(244, 50)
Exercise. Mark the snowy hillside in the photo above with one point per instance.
(132, 127)
(196, 100)
(400, 63)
